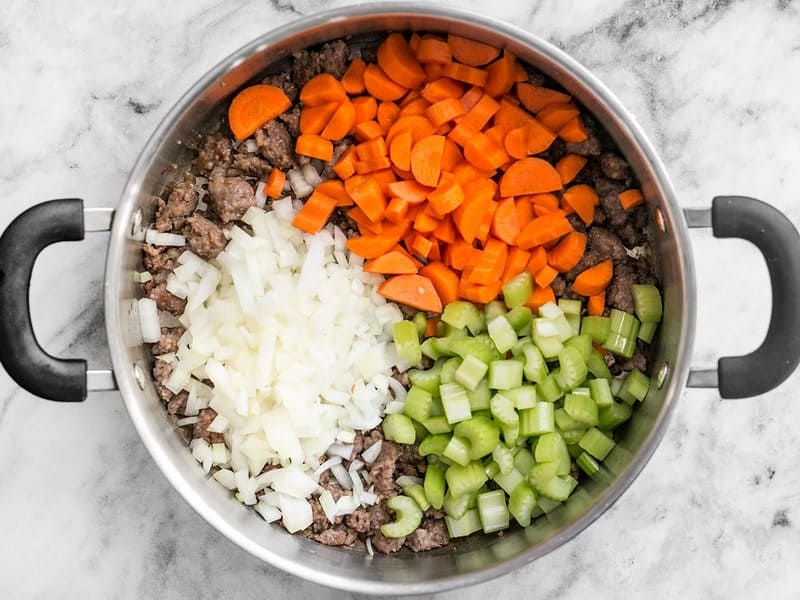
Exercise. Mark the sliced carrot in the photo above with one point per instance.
(322, 89)
(481, 294)
(418, 106)
(569, 166)
(445, 110)
(433, 71)
(465, 73)
(479, 114)
(368, 130)
(340, 123)
(314, 146)
(366, 108)
(421, 246)
(555, 116)
(432, 323)
(501, 75)
(548, 200)
(345, 167)
(444, 279)
(369, 197)
(396, 210)
(335, 189)
(387, 113)
(275, 183)
(573, 131)
(465, 173)
(485, 224)
(398, 61)
(434, 50)
(529, 176)
(445, 231)
(594, 280)
(363, 167)
(568, 252)
(415, 291)
(505, 225)
(535, 98)
(380, 85)
(414, 42)
(442, 88)
(537, 261)
(596, 304)
(478, 204)
(483, 153)
(462, 133)
(490, 264)
(374, 148)
(511, 116)
(316, 211)
(540, 297)
(410, 96)
(383, 179)
(516, 262)
(630, 198)
(516, 142)
(399, 248)
(426, 160)
(539, 137)
(371, 246)
(470, 52)
(419, 125)
(525, 212)
(471, 97)
(543, 230)
(253, 107)
(583, 199)
(447, 196)
(451, 156)
(545, 276)
(410, 191)
(313, 119)
(400, 150)
(426, 222)
(353, 78)
(391, 263)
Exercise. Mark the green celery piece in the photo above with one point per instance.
(550, 346)
(437, 410)
(476, 347)
(572, 366)
(546, 505)
(623, 323)
(467, 524)
(635, 387)
(455, 402)
(611, 417)
(647, 331)
(518, 289)
(438, 424)
(406, 340)
(574, 323)
(620, 345)
(510, 434)
(540, 473)
(482, 436)
(520, 319)
(582, 343)
(417, 493)
(502, 333)
(509, 481)
(441, 328)
(493, 309)
(428, 380)
(587, 464)
(565, 423)
(572, 436)
(518, 348)
(596, 328)
(572, 447)
(420, 431)
(558, 319)
(462, 480)
(596, 443)
(616, 386)
(504, 459)
(521, 503)
(428, 348)
(470, 372)
(505, 374)
(449, 368)
(491, 468)
(537, 420)
(462, 314)
(601, 392)
(442, 345)
(523, 396)
(503, 410)
(434, 444)
(548, 389)
(597, 365)
(535, 369)
(581, 408)
(582, 391)
(457, 450)
(550, 448)
(399, 428)
(558, 488)
(408, 516)
(647, 302)
(418, 404)
(523, 461)
(480, 396)
(421, 323)
(493, 511)
(454, 333)
(570, 306)
(457, 506)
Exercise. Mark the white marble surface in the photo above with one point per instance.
(85, 513)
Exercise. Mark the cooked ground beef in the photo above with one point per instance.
(177, 404)
(332, 58)
(383, 469)
(276, 145)
(432, 533)
(614, 166)
(160, 259)
(166, 301)
(168, 342)
(283, 81)
(214, 152)
(251, 165)
(206, 238)
(229, 197)
(182, 200)
(201, 431)
(291, 118)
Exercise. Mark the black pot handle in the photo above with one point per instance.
(779, 242)
(59, 379)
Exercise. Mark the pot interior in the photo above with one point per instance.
(162, 161)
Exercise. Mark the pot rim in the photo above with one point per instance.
(131, 390)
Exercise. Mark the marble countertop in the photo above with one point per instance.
(85, 512)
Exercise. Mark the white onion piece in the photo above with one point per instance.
(328, 505)
(358, 485)
(157, 238)
(219, 424)
(187, 421)
(311, 176)
(148, 321)
(261, 196)
(226, 478)
(370, 551)
(370, 455)
(296, 513)
(342, 477)
(292, 481)
(142, 276)
(251, 146)
(368, 498)
(343, 450)
(346, 505)
(346, 436)
(336, 460)
(269, 512)
(300, 186)
(395, 407)
(398, 391)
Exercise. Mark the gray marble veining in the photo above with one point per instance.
(716, 514)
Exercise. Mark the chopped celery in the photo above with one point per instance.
(399, 428)
(573, 436)
(406, 340)
(546, 505)
(634, 387)
(491, 468)
(537, 420)
(503, 410)
(505, 374)
(572, 367)
(453, 333)
(504, 459)
(615, 415)
(418, 404)
(556, 316)
(408, 516)
(470, 372)
(437, 410)
(482, 436)
(467, 524)
(421, 323)
(548, 389)
(558, 488)
(549, 345)
(574, 450)
(570, 306)
(523, 396)
(616, 386)
(601, 392)
(574, 323)
(480, 396)
(417, 493)
(620, 345)
(510, 434)
(647, 302)
(518, 348)
(493, 511)
(493, 310)
(438, 424)
(596, 328)
(456, 506)
(523, 461)
(535, 368)
(502, 333)
(420, 431)
(566, 423)
(587, 464)
(624, 324)
(434, 444)
(465, 479)
(582, 343)
(542, 472)
(550, 448)
(581, 408)
(428, 348)
(509, 481)
(476, 347)
(582, 391)
(457, 450)
(442, 345)
(463, 314)
(520, 318)
(647, 331)
(597, 365)
(521, 503)
(428, 380)
(434, 485)
(455, 402)
(596, 443)
(518, 289)
(449, 368)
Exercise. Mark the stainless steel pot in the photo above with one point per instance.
(478, 559)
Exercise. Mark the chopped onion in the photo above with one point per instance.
(358, 485)
(343, 450)
(251, 146)
(370, 455)
(296, 513)
(261, 196)
(148, 321)
(219, 424)
(142, 276)
(300, 186)
(370, 551)
(346, 436)
(292, 481)
(398, 391)
(395, 407)
(346, 505)
(336, 460)
(226, 478)
(269, 512)
(328, 505)
(368, 498)
(311, 176)
(157, 238)
(187, 421)
(342, 476)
